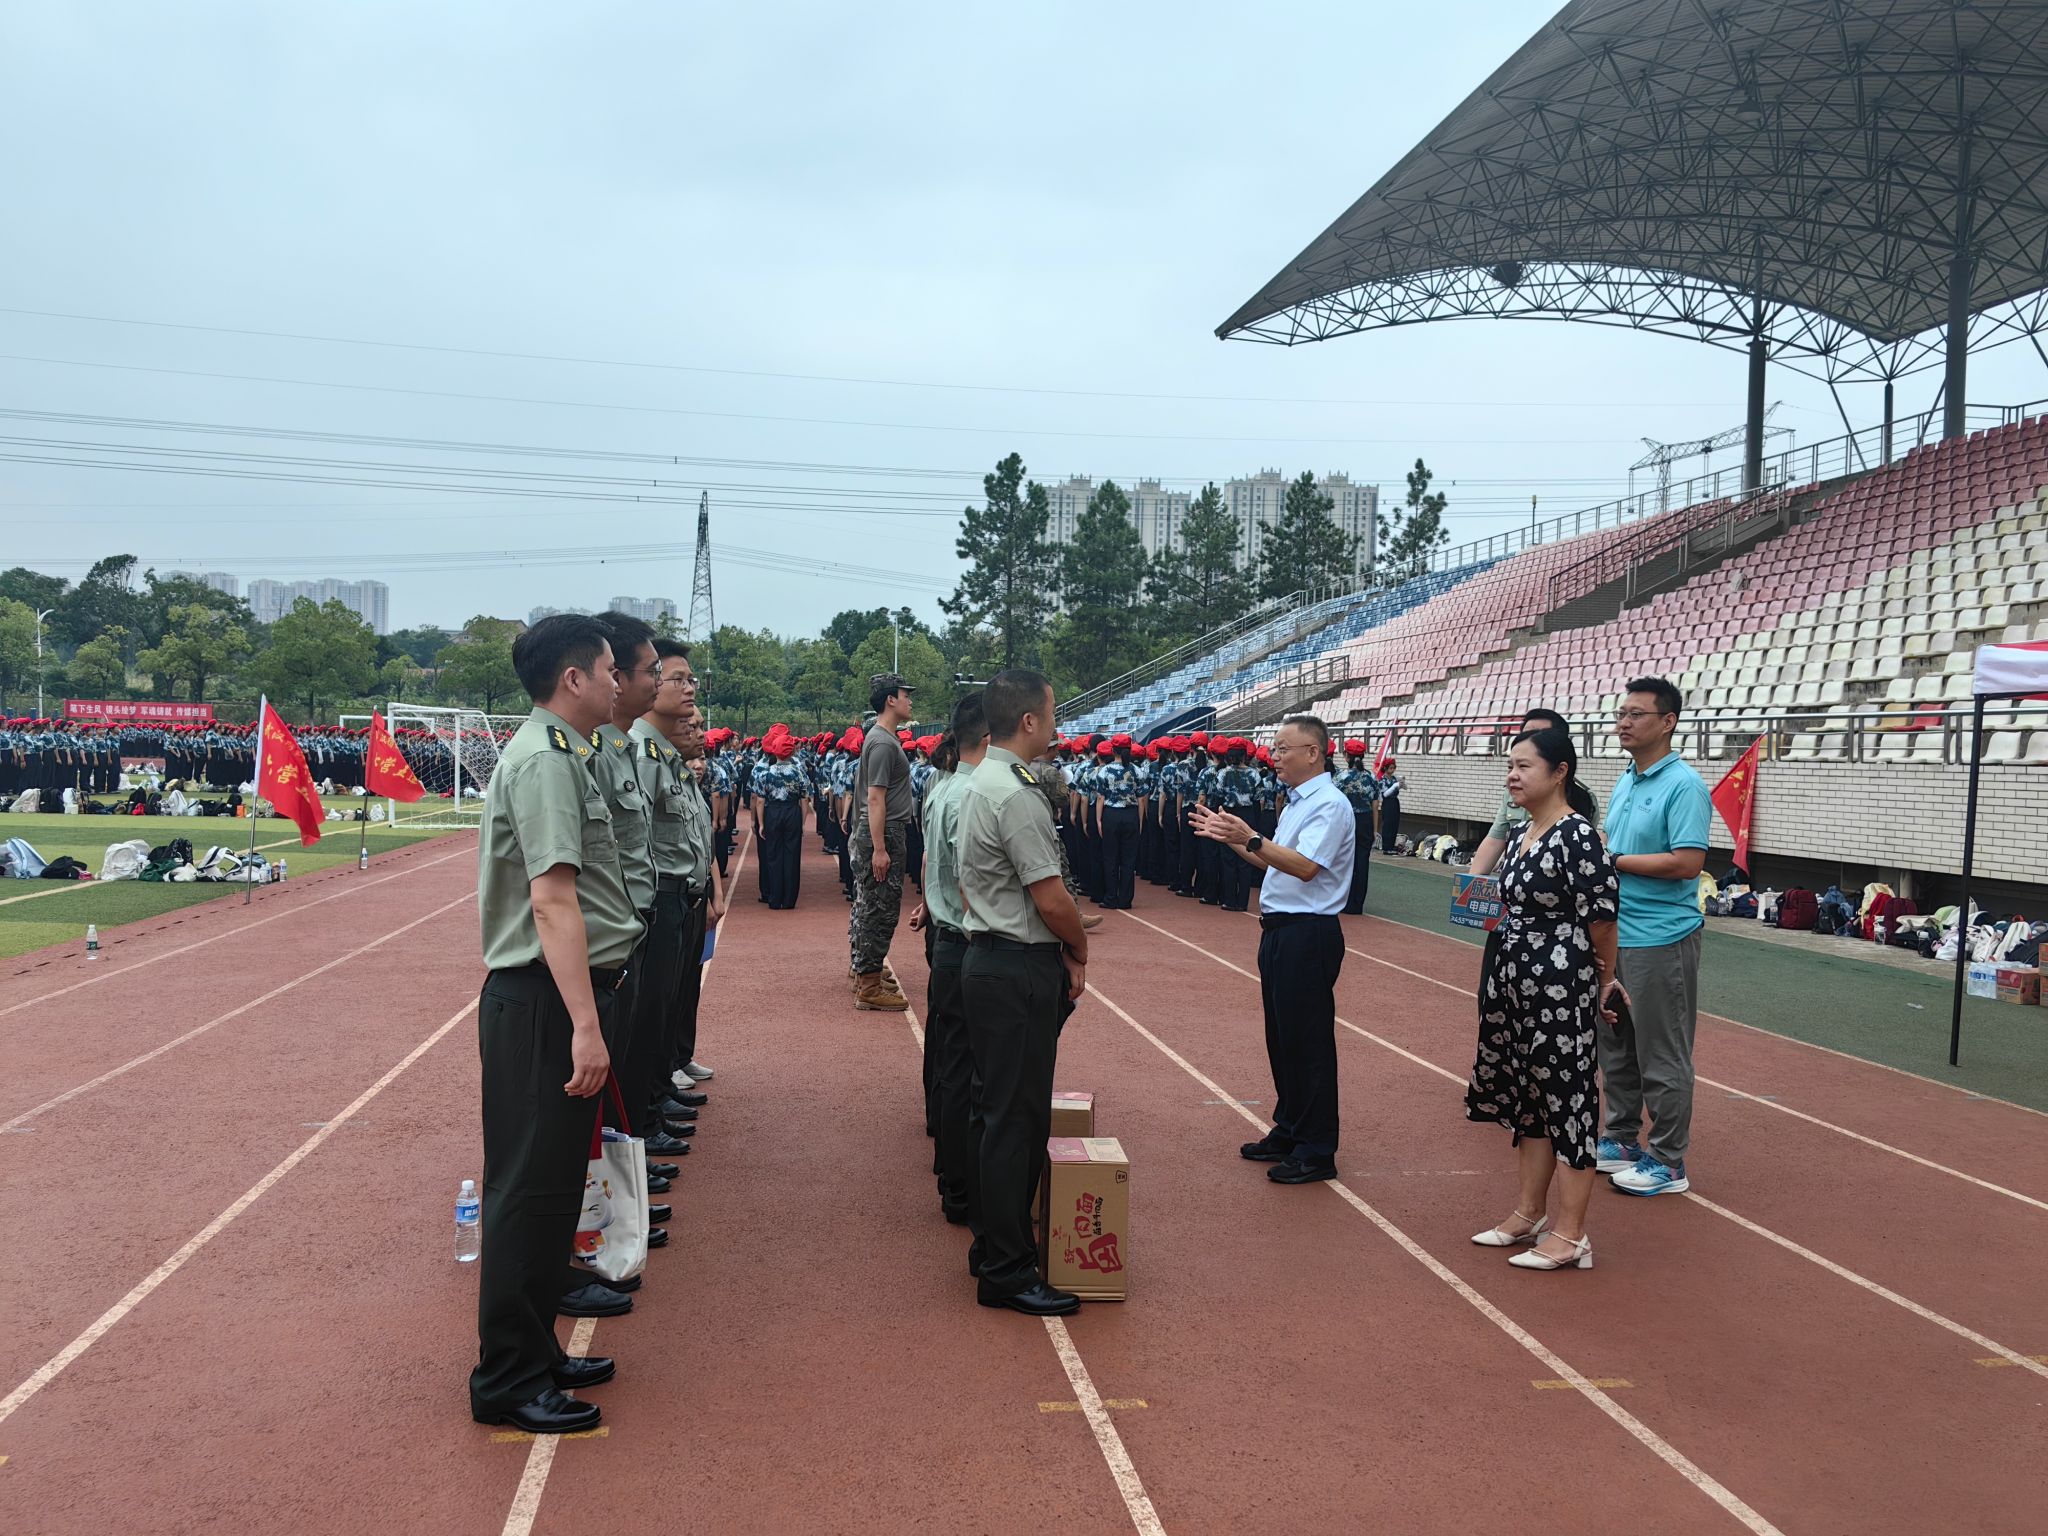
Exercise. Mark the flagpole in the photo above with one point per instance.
(255, 794)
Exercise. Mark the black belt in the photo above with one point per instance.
(996, 941)
(1271, 920)
(603, 978)
(949, 932)
(670, 883)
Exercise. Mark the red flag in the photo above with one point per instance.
(1735, 798)
(385, 770)
(282, 777)
(1386, 753)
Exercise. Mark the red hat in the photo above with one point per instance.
(1104, 750)
(1199, 739)
(1121, 739)
(1264, 755)
(1353, 747)
(851, 741)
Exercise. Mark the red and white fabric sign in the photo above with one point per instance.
(2019, 668)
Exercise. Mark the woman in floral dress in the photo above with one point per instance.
(1543, 999)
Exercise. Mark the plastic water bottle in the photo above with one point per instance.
(362, 858)
(469, 1226)
(92, 941)
(280, 869)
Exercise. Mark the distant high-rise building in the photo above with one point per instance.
(535, 615)
(370, 601)
(1155, 512)
(649, 610)
(1256, 502)
(220, 581)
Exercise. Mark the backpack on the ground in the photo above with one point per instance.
(1798, 910)
(66, 868)
(124, 861)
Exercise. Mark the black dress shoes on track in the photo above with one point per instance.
(594, 1300)
(682, 1130)
(659, 1144)
(554, 1412)
(671, 1108)
(1294, 1171)
(657, 1237)
(578, 1372)
(691, 1100)
(657, 1214)
(662, 1170)
(1264, 1151)
(1040, 1301)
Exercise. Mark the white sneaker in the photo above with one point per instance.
(699, 1071)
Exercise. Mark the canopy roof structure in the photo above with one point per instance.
(1828, 183)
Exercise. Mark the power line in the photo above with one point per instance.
(827, 378)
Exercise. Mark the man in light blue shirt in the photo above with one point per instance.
(1307, 864)
(1657, 826)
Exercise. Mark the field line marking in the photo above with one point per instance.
(100, 1326)
(194, 1033)
(540, 1461)
(1138, 1503)
(1123, 1472)
(1663, 1449)
(1885, 1293)
(1758, 1029)
(1783, 1109)
(533, 1481)
(239, 929)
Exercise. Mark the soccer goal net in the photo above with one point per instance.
(453, 752)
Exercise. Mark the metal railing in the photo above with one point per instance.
(1287, 694)
(1170, 661)
(1879, 734)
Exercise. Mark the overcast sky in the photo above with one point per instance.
(965, 219)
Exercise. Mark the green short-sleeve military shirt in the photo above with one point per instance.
(624, 777)
(544, 809)
(1007, 844)
(661, 770)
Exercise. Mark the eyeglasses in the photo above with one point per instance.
(1623, 716)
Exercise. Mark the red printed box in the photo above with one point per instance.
(1086, 1229)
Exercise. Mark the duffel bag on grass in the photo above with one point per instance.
(124, 861)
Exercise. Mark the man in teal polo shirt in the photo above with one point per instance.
(1657, 832)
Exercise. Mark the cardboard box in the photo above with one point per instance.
(1073, 1113)
(1086, 1231)
(1981, 979)
(2019, 984)
(1475, 901)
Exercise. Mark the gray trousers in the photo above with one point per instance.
(1649, 1064)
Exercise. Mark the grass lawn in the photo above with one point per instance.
(38, 912)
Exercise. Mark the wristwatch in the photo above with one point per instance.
(1254, 843)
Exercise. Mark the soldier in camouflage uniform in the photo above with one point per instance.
(879, 846)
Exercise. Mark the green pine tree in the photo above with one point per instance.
(1306, 549)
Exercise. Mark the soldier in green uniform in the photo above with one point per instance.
(1026, 962)
(704, 897)
(558, 930)
(948, 1068)
(619, 773)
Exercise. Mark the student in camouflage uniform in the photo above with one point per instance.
(879, 846)
(1357, 785)
(1238, 791)
(780, 788)
(1117, 799)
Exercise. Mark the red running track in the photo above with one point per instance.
(807, 1355)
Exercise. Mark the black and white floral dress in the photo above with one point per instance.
(1539, 1007)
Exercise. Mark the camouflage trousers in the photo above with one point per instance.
(876, 906)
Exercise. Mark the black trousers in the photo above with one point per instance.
(949, 1089)
(1361, 864)
(1012, 1001)
(1185, 851)
(680, 1045)
(1119, 854)
(661, 975)
(536, 1152)
(1390, 823)
(1233, 880)
(781, 851)
(1298, 966)
(1208, 870)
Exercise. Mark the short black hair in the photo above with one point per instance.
(665, 648)
(970, 724)
(1318, 732)
(880, 695)
(551, 647)
(1011, 695)
(1548, 716)
(626, 633)
(1669, 700)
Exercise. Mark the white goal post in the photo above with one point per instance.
(453, 757)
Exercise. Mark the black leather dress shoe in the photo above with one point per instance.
(690, 1100)
(594, 1301)
(657, 1186)
(664, 1145)
(623, 1287)
(1265, 1151)
(657, 1214)
(669, 1109)
(657, 1237)
(682, 1130)
(1294, 1171)
(1040, 1301)
(577, 1372)
(554, 1412)
(662, 1170)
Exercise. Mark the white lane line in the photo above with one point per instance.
(1557, 1367)
(1144, 1518)
(1883, 1292)
(99, 1327)
(1122, 1471)
(194, 1033)
(540, 1461)
(1758, 1029)
(533, 1482)
(349, 889)
(1783, 1109)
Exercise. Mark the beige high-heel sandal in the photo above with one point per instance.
(1581, 1257)
(1500, 1237)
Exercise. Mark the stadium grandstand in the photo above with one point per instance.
(1856, 193)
